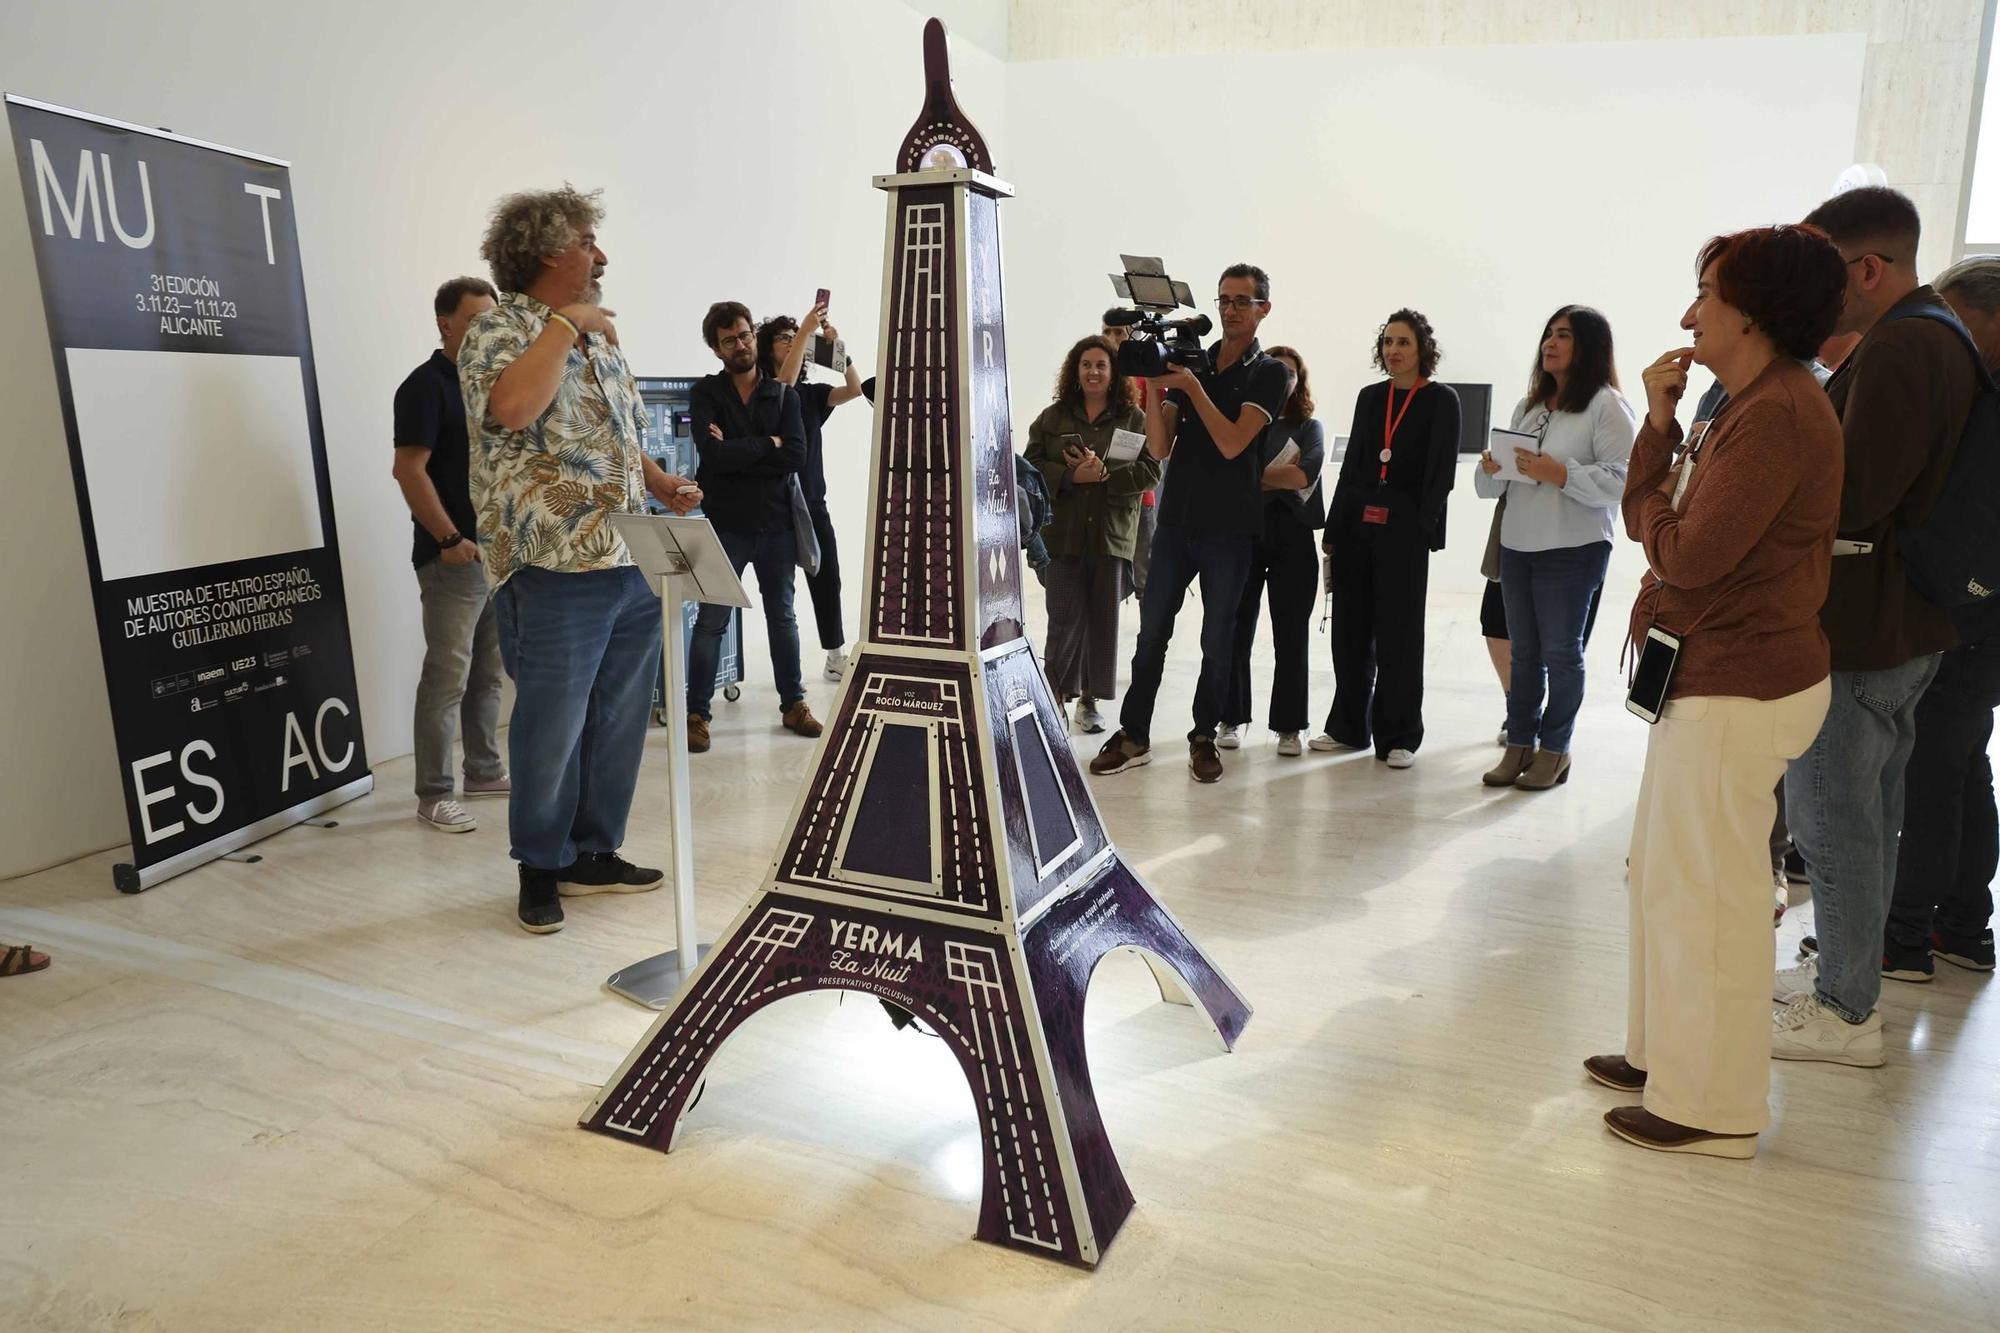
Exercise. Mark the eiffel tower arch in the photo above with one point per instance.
(945, 853)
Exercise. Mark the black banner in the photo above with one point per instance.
(177, 314)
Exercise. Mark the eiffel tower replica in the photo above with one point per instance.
(945, 853)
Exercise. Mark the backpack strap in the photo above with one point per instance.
(1942, 314)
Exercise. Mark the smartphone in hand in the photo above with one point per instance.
(821, 298)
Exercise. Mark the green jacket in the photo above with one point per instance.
(1101, 518)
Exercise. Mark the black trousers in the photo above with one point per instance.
(1951, 837)
(1179, 558)
(824, 587)
(1284, 561)
(1381, 574)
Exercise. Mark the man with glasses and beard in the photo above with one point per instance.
(557, 434)
(750, 432)
(1211, 426)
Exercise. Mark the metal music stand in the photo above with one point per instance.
(685, 555)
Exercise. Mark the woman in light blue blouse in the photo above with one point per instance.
(1555, 536)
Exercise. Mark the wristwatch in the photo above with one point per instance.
(446, 543)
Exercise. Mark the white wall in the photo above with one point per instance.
(1917, 87)
(1483, 186)
(734, 143)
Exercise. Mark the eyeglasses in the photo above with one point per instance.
(738, 340)
(1236, 302)
(1871, 254)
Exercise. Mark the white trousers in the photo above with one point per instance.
(1699, 1017)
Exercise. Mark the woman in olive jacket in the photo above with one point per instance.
(1096, 523)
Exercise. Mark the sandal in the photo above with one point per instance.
(19, 960)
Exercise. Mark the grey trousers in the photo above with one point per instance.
(1081, 655)
(459, 689)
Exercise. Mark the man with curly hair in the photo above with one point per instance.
(557, 426)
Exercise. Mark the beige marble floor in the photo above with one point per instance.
(338, 1089)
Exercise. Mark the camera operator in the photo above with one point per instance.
(1211, 425)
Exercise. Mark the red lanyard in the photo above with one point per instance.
(1391, 425)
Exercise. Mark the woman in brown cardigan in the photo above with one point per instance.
(1738, 532)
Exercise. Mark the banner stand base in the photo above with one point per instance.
(129, 878)
(655, 981)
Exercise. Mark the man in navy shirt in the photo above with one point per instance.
(1211, 427)
(459, 687)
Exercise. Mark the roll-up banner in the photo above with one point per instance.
(177, 314)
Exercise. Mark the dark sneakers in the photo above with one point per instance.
(1975, 955)
(604, 872)
(1902, 963)
(1204, 760)
(1614, 1072)
(541, 910)
(1120, 753)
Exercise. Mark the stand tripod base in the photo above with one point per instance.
(655, 981)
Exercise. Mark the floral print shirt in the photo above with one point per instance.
(545, 493)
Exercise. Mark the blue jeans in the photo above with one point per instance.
(1548, 596)
(775, 555)
(1222, 563)
(583, 650)
(1844, 802)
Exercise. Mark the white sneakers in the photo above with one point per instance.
(1808, 1030)
(1088, 720)
(1795, 983)
(836, 663)
(1288, 743)
(1400, 759)
(446, 816)
(1228, 737)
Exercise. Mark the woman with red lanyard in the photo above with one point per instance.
(1386, 518)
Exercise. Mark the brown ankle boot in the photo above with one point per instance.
(697, 734)
(1514, 761)
(1548, 770)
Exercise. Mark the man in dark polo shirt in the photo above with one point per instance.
(1903, 396)
(1211, 427)
(750, 434)
(459, 687)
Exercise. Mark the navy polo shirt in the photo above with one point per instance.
(1205, 493)
(430, 414)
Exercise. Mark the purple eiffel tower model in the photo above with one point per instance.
(945, 854)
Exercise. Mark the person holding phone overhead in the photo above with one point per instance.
(1555, 536)
(1095, 526)
(1387, 516)
(1738, 534)
(783, 345)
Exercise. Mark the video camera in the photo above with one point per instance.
(1155, 342)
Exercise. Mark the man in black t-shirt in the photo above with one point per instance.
(459, 687)
(1212, 427)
